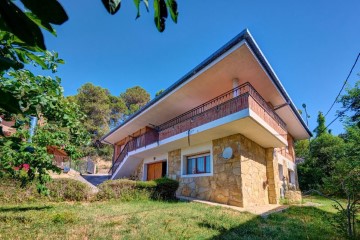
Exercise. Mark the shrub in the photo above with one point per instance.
(12, 192)
(116, 189)
(166, 188)
(127, 190)
(149, 185)
(63, 189)
(60, 190)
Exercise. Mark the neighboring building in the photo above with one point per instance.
(60, 156)
(7, 126)
(225, 131)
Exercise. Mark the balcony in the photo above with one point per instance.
(240, 98)
(235, 100)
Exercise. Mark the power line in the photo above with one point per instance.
(342, 88)
(339, 115)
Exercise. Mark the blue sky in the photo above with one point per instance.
(310, 44)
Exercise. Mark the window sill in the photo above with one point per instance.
(197, 175)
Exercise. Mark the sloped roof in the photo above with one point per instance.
(243, 36)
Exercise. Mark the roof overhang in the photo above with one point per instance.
(240, 58)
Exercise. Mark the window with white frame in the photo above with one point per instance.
(198, 164)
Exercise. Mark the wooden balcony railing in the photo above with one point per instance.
(135, 143)
(239, 98)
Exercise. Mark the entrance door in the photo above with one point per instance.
(156, 170)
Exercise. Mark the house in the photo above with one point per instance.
(225, 131)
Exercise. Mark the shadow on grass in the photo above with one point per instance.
(293, 223)
(24, 209)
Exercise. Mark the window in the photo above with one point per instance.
(281, 174)
(198, 164)
(291, 177)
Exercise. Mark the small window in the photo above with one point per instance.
(281, 173)
(198, 164)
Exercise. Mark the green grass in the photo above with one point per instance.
(160, 220)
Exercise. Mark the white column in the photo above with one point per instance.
(236, 84)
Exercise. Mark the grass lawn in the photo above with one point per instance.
(159, 220)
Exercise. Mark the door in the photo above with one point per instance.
(156, 170)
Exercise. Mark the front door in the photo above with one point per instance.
(156, 170)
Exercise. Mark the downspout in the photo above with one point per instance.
(33, 121)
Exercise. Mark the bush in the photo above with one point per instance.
(166, 188)
(60, 190)
(64, 189)
(12, 192)
(127, 190)
(123, 189)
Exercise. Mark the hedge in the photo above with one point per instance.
(64, 189)
(60, 190)
(127, 190)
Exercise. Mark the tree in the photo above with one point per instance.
(95, 103)
(118, 111)
(332, 164)
(21, 29)
(344, 181)
(321, 128)
(41, 97)
(135, 98)
(158, 93)
(351, 103)
(103, 112)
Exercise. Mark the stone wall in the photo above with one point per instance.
(253, 173)
(174, 164)
(225, 184)
(239, 181)
(293, 196)
(272, 173)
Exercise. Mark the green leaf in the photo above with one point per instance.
(172, 5)
(9, 103)
(146, 2)
(61, 61)
(137, 4)
(112, 6)
(160, 14)
(37, 59)
(16, 22)
(41, 23)
(49, 11)
(21, 55)
(6, 63)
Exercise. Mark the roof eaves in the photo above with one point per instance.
(251, 41)
(244, 35)
(241, 36)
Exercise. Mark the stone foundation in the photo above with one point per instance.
(293, 196)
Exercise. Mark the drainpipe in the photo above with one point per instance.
(33, 121)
